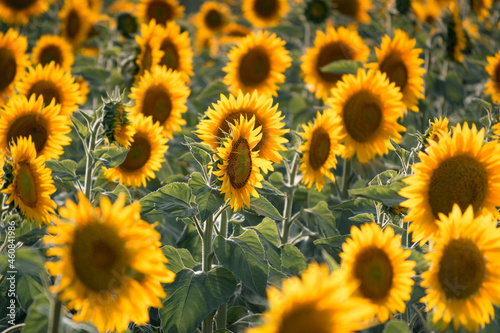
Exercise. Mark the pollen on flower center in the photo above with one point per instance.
(254, 67)
(329, 53)
(29, 125)
(239, 166)
(395, 69)
(460, 179)
(157, 103)
(47, 89)
(8, 68)
(362, 116)
(320, 148)
(26, 186)
(373, 268)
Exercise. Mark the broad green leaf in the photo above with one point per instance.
(321, 213)
(343, 67)
(37, 320)
(28, 261)
(111, 156)
(330, 261)
(292, 259)
(192, 296)
(178, 259)
(364, 217)
(62, 169)
(387, 194)
(297, 104)
(172, 199)
(209, 199)
(201, 152)
(269, 189)
(263, 207)
(28, 289)
(356, 206)
(333, 245)
(119, 189)
(396, 326)
(94, 75)
(268, 235)
(245, 257)
(81, 129)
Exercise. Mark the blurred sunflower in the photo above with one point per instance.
(206, 41)
(162, 11)
(162, 95)
(240, 165)
(176, 48)
(427, 11)
(320, 149)
(461, 169)
(95, 5)
(16, 12)
(357, 9)
(53, 48)
(21, 117)
(318, 302)
(493, 85)
(28, 183)
(463, 277)
(455, 36)
(482, 8)
(213, 16)
(400, 61)
(228, 110)
(234, 33)
(317, 11)
(437, 128)
(264, 13)
(375, 260)
(329, 46)
(258, 62)
(13, 61)
(110, 265)
(369, 106)
(145, 156)
(53, 83)
(84, 88)
(149, 43)
(77, 21)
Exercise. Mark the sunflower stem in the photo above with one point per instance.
(346, 178)
(287, 210)
(207, 265)
(55, 315)
(221, 318)
(89, 166)
(14, 328)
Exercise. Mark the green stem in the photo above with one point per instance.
(346, 178)
(207, 265)
(13, 328)
(287, 210)
(222, 311)
(90, 161)
(55, 315)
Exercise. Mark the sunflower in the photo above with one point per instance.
(15, 12)
(162, 11)
(427, 11)
(318, 302)
(53, 83)
(317, 11)
(122, 6)
(334, 44)
(463, 277)
(13, 61)
(455, 36)
(228, 110)
(482, 8)
(213, 17)
(375, 260)
(436, 129)
(493, 85)
(204, 40)
(264, 13)
(320, 149)
(24, 118)
(117, 126)
(149, 43)
(176, 48)
(369, 107)
(95, 5)
(111, 264)
(234, 33)
(461, 169)
(53, 48)
(29, 183)
(76, 21)
(84, 88)
(257, 63)
(240, 165)
(162, 95)
(357, 9)
(400, 61)
(145, 156)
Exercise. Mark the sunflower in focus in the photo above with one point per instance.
(162, 11)
(239, 167)
(320, 149)
(147, 149)
(45, 125)
(53, 83)
(76, 21)
(258, 62)
(437, 128)
(176, 48)
(357, 9)
(118, 128)
(375, 260)
(110, 263)
(329, 46)
(462, 282)
(161, 94)
(320, 301)
(13, 61)
(455, 36)
(400, 61)
(228, 110)
(264, 13)
(149, 43)
(213, 16)
(53, 48)
(493, 85)
(462, 170)
(369, 107)
(16, 12)
(28, 183)
(427, 11)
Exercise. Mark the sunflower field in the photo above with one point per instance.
(254, 166)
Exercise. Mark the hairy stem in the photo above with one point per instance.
(287, 210)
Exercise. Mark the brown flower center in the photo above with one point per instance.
(170, 55)
(19, 4)
(233, 118)
(138, 155)
(266, 8)
(73, 24)
(462, 269)
(320, 148)
(395, 69)
(374, 270)
(362, 116)
(239, 167)
(50, 53)
(214, 20)
(8, 68)
(329, 53)
(459, 179)
(346, 7)
(47, 89)
(157, 104)
(496, 76)
(26, 185)
(254, 67)
(161, 11)
(31, 124)
(306, 318)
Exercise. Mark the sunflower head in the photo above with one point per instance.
(234, 33)
(53, 48)
(437, 128)
(15, 12)
(463, 277)
(357, 9)
(149, 43)
(162, 11)
(77, 21)
(264, 13)
(127, 24)
(427, 11)
(110, 262)
(317, 11)
(493, 85)
(455, 37)
(13, 61)
(28, 183)
(118, 128)
(375, 260)
(213, 17)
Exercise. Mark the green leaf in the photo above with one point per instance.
(245, 257)
(37, 320)
(178, 259)
(94, 75)
(269, 189)
(486, 105)
(81, 129)
(172, 199)
(364, 217)
(201, 152)
(116, 193)
(268, 235)
(356, 206)
(293, 260)
(28, 261)
(297, 104)
(209, 199)
(387, 194)
(263, 207)
(321, 213)
(333, 245)
(62, 169)
(111, 156)
(396, 326)
(192, 296)
(343, 67)
(28, 289)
